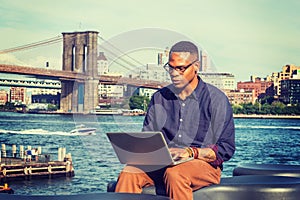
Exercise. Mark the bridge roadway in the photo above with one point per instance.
(29, 83)
(80, 77)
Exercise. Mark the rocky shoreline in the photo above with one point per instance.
(254, 116)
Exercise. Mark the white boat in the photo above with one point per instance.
(82, 130)
(107, 112)
(134, 112)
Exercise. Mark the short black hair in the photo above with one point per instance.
(185, 46)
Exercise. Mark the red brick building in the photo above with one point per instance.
(257, 85)
(3, 97)
(17, 94)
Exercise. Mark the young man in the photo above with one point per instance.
(190, 113)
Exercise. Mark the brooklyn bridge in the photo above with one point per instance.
(79, 76)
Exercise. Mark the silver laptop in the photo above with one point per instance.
(142, 148)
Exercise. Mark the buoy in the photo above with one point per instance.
(6, 189)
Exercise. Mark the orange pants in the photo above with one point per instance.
(178, 181)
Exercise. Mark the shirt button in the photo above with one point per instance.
(183, 104)
(179, 135)
(180, 120)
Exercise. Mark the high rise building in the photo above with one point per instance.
(286, 73)
(290, 89)
(18, 95)
(153, 72)
(3, 97)
(223, 81)
(102, 63)
(107, 91)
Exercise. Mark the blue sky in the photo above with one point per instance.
(243, 37)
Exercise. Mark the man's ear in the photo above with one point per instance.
(197, 66)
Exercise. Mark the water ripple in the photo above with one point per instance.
(272, 141)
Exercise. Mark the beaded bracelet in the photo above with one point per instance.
(195, 152)
(190, 151)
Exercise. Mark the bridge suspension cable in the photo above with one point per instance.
(114, 51)
(116, 59)
(122, 54)
(49, 41)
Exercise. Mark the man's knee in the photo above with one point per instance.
(172, 175)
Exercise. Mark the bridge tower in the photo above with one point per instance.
(80, 56)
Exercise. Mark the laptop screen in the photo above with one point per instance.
(141, 148)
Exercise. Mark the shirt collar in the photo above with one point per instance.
(196, 94)
(199, 89)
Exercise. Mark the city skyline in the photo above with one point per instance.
(242, 37)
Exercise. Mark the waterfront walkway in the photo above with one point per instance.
(254, 116)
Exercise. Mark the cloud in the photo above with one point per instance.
(40, 62)
(10, 59)
(237, 34)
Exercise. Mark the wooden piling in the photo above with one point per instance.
(14, 151)
(39, 150)
(59, 156)
(22, 152)
(3, 150)
(63, 153)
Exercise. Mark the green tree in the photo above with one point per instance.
(237, 109)
(52, 107)
(267, 99)
(277, 108)
(9, 106)
(249, 109)
(266, 108)
(138, 102)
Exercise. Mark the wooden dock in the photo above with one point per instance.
(27, 167)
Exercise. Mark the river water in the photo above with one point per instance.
(273, 141)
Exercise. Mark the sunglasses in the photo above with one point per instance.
(181, 69)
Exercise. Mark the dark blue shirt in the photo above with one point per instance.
(203, 119)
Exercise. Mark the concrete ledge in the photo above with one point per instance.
(252, 187)
(96, 196)
(267, 169)
(245, 188)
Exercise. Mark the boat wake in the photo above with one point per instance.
(74, 132)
